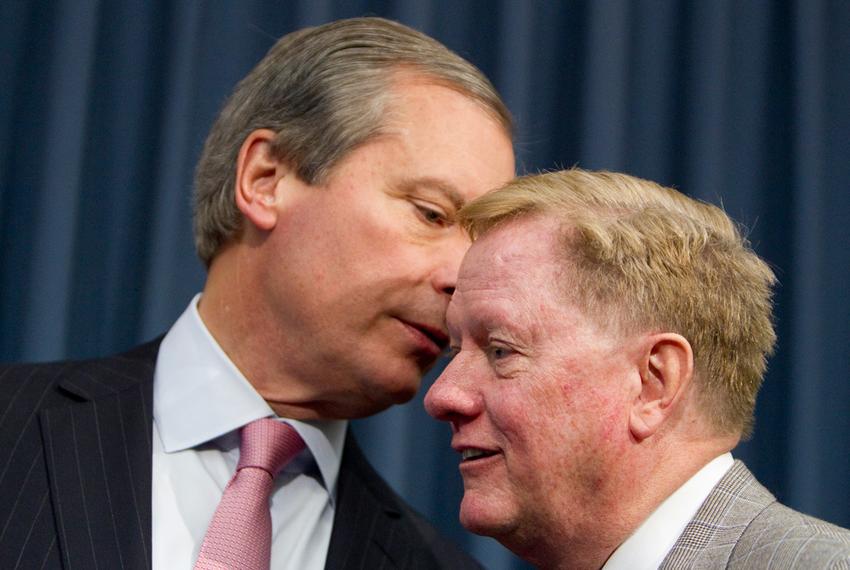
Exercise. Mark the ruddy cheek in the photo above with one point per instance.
(567, 391)
(611, 415)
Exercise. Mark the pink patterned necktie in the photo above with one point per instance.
(240, 534)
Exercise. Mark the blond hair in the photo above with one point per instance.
(324, 91)
(646, 257)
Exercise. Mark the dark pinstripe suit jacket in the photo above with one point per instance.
(741, 525)
(75, 477)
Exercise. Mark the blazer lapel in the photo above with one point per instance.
(98, 454)
(368, 531)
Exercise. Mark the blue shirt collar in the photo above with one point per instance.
(200, 395)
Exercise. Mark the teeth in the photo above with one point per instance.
(473, 454)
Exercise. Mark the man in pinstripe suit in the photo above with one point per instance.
(325, 203)
(610, 338)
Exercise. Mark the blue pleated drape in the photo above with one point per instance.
(104, 106)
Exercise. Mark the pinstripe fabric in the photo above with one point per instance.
(27, 538)
(75, 478)
(75, 453)
(374, 528)
(741, 525)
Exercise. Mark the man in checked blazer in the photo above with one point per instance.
(610, 338)
(325, 205)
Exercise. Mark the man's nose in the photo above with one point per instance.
(453, 395)
(448, 265)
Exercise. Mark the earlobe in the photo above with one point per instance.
(258, 172)
(666, 370)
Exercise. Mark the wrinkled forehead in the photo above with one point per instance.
(511, 281)
(527, 242)
(517, 259)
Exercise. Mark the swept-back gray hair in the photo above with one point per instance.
(324, 91)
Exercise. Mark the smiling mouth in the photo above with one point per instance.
(475, 454)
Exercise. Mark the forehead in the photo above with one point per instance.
(515, 280)
(436, 138)
(449, 132)
(517, 263)
(518, 250)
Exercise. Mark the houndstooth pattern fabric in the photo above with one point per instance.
(239, 535)
(742, 526)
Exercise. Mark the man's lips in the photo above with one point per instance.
(434, 335)
(470, 454)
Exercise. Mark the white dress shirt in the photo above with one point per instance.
(647, 547)
(200, 401)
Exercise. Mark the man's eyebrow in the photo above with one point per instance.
(446, 188)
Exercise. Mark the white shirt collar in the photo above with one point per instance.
(647, 547)
(200, 395)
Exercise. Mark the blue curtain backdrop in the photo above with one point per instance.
(104, 106)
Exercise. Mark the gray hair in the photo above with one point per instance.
(324, 91)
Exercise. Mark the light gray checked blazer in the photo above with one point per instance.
(741, 525)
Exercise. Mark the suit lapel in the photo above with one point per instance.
(710, 537)
(98, 457)
(368, 530)
(98, 454)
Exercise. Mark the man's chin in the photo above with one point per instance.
(426, 362)
(479, 516)
(381, 396)
(397, 382)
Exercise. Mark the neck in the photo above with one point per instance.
(253, 339)
(657, 471)
(570, 555)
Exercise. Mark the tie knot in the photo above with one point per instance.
(269, 445)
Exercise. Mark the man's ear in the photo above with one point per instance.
(258, 172)
(666, 371)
